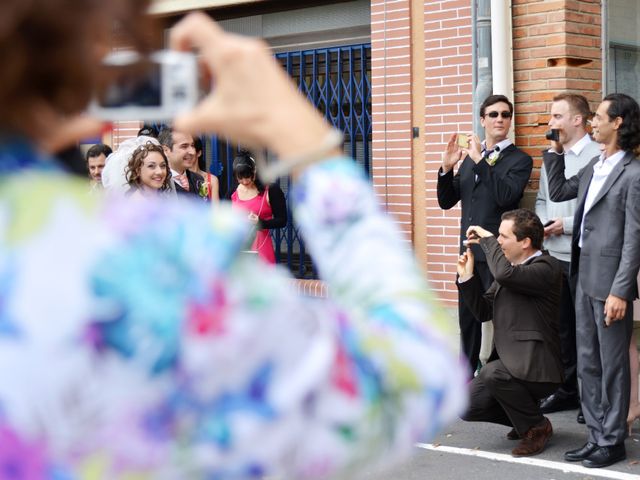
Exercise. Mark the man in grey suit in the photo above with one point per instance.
(605, 255)
(523, 302)
(570, 113)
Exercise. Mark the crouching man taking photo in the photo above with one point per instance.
(523, 301)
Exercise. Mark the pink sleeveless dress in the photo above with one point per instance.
(259, 205)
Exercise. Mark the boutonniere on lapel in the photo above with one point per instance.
(493, 157)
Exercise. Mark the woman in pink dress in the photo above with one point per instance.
(266, 206)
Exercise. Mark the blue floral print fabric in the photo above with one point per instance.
(137, 341)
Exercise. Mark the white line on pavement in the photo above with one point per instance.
(534, 462)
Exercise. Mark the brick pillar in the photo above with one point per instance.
(448, 94)
(556, 48)
(391, 108)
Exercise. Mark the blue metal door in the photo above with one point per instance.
(337, 81)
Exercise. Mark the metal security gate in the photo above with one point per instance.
(337, 81)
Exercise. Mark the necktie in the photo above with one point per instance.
(183, 181)
(487, 153)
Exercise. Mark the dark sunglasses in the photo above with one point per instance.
(502, 114)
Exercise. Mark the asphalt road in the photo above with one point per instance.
(481, 451)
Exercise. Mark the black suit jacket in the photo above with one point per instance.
(195, 181)
(524, 303)
(497, 190)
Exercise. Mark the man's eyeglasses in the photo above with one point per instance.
(505, 114)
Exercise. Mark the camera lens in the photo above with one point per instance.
(552, 134)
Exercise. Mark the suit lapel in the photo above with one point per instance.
(583, 189)
(192, 181)
(611, 178)
(501, 158)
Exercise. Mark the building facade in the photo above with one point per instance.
(425, 65)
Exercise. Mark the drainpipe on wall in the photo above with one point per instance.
(483, 82)
(502, 49)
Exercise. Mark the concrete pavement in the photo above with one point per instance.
(481, 451)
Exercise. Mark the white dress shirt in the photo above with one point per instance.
(601, 170)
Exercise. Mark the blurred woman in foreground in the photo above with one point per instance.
(127, 353)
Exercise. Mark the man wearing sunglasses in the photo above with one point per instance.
(489, 182)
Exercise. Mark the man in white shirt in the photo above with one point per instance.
(569, 115)
(605, 256)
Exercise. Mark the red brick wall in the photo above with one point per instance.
(448, 92)
(556, 47)
(391, 108)
(448, 89)
(123, 131)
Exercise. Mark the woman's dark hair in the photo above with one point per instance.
(625, 107)
(132, 172)
(197, 144)
(244, 166)
(148, 131)
(526, 224)
(49, 51)
(202, 162)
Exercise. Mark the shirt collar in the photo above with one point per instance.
(613, 160)
(500, 145)
(580, 144)
(537, 254)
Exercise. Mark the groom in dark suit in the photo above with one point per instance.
(524, 303)
(490, 181)
(605, 256)
(180, 150)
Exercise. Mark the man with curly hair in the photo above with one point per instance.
(605, 256)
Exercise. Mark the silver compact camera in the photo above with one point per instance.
(154, 87)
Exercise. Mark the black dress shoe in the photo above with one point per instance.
(605, 456)
(580, 453)
(580, 417)
(557, 402)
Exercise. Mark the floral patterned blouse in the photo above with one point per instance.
(126, 352)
